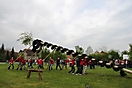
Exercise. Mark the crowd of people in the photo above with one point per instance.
(124, 62)
(77, 66)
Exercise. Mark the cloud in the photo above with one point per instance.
(68, 22)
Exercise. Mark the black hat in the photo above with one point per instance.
(59, 48)
(70, 52)
(75, 54)
(37, 44)
(53, 47)
(64, 50)
(48, 45)
(84, 55)
(45, 43)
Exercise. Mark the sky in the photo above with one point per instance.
(68, 23)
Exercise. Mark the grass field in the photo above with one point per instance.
(100, 77)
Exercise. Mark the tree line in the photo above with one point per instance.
(26, 38)
(7, 54)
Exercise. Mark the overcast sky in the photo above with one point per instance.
(68, 23)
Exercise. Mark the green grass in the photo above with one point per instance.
(100, 77)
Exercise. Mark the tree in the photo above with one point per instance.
(44, 52)
(2, 48)
(99, 56)
(79, 49)
(89, 50)
(26, 38)
(103, 48)
(12, 52)
(8, 55)
(2, 56)
(124, 52)
(2, 53)
(130, 51)
(114, 54)
(57, 54)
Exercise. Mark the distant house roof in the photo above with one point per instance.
(29, 52)
(101, 52)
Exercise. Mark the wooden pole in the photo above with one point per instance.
(47, 57)
(127, 70)
(49, 54)
(23, 52)
(19, 56)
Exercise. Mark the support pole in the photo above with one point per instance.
(127, 70)
(49, 54)
(24, 52)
